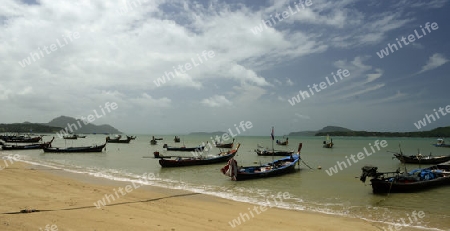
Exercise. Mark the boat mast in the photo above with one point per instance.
(273, 150)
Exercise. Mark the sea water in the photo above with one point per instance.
(311, 187)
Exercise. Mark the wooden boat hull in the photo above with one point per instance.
(442, 145)
(230, 145)
(416, 180)
(194, 161)
(251, 172)
(70, 137)
(26, 146)
(22, 147)
(383, 186)
(76, 149)
(184, 149)
(423, 160)
(329, 145)
(25, 140)
(119, 141)
(276, 153)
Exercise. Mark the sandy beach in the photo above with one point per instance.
(66, 203)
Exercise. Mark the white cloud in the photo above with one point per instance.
(435, 61)
(216, 101)
(374, 76)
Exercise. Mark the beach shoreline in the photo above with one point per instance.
(67, 200)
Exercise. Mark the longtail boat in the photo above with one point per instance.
(328, 143)
(406, 182)
(179, 161)
(183, 149)
(419, 159)
(224, 145)
(266, 152)
(26, 146)
(93, 148)
(21, 139)
(275, 168)
(176, 139)
(118, 140)
(441, 143)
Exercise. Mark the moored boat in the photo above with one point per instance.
(153, 141)
(20, 139)
(441, 143)
(183, 148)
(224, 145)
(413, 181)
(118, 140)
(286, 142)
(70, 137)
(179, 161)
(419, 159)
(25, 146)
(93, 148)
(266, 152)
(328, 143)
(176, 139)
(275, 168)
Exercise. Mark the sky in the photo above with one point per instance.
(240, 61)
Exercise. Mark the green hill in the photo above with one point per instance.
(27, 127)
(63, 122)
(437, 132)
(326, 129)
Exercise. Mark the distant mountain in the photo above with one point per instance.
(437, 132)
(334, 129)
(27, 127)
(303, 133)
(77, 126)
(207, 133)
(326, 129)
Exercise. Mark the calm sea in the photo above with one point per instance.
(309, 189)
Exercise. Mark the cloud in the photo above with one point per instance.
(147, 101)
(289, 82)
(433, 4)
(363, 91)
(248, 94)
(216, 101)
(356, 83)
(302, 116)
(435, 61)
(372, 77)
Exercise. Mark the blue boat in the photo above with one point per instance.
(275, 168)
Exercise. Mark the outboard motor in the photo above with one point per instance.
(368, 171)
